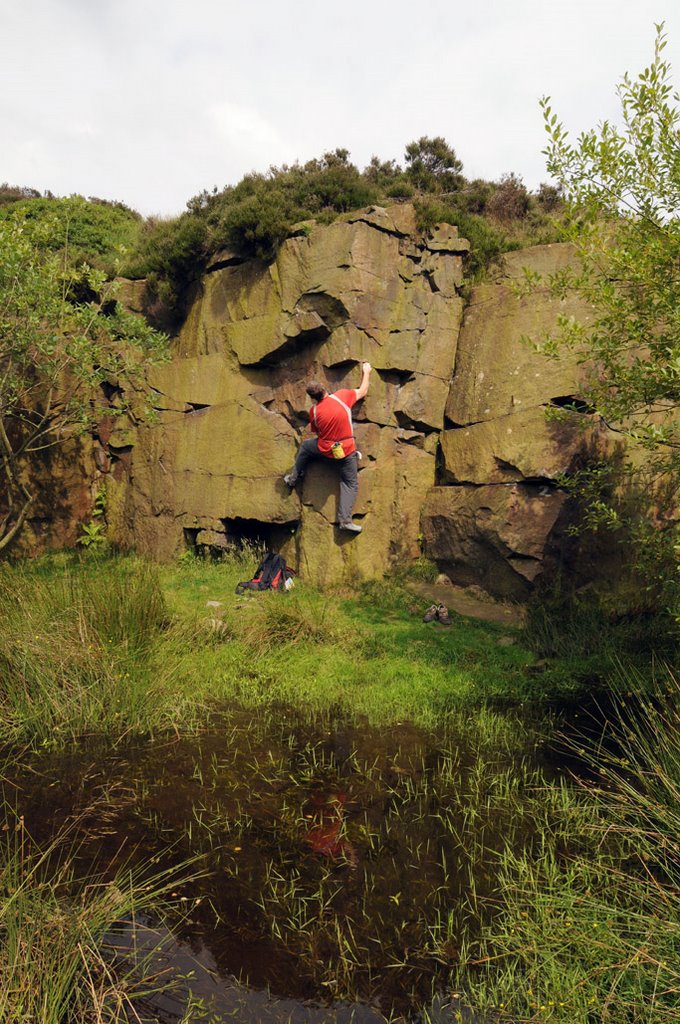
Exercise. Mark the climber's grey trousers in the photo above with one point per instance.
(349, 476)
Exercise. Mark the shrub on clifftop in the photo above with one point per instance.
(256, 215)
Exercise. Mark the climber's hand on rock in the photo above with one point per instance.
(366, 367)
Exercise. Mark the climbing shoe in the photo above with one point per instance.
(431, 613)
(350, 526)
(290, 479)
(443, 615)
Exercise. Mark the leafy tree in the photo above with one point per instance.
(55, 352)
(622, 189)
(433, 164)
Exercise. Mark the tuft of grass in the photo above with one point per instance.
(279, 619)
(56, 966)
(590, 922)
(585, 640)
(80, 652)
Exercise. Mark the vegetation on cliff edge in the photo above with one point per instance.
(621, 188)
(62, 335)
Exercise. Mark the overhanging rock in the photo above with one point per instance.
(232, 405)
(459, 457)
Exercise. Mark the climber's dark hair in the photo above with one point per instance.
(316, 390)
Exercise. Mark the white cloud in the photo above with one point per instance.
(246, 133)
(151, 101)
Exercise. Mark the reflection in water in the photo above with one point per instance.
(342, 863)
(200, 982)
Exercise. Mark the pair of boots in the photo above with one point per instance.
(439, 612)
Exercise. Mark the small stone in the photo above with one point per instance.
(213, 604)
(506, 641)
(443, 580)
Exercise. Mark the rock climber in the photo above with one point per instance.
(331, 420)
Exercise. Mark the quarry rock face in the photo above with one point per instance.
(458, 457)
(509, 434)
(232, 408)
(64, 482)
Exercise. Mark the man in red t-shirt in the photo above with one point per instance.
(331, 420)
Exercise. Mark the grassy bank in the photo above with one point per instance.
(589, 921)
(86, 649)
(113, 646)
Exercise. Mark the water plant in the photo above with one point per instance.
(589, 921)
(58, 961)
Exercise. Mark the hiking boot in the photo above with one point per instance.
(443, 615)
(350, 526)
(290, 479)
(430, 614)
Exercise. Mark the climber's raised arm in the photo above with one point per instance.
(362, 391)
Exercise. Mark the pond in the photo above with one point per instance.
(341, 869)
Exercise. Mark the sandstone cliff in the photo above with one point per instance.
(459, 459)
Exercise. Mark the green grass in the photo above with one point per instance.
(366, 650)
(589, 923)
(110, 645)
(86, 647)
(56, 963)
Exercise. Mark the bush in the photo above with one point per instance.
(510, 201)
(15, 193)
(255, 216)
(433, 165)
(401, 188)
(96, 232)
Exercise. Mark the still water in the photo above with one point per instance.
(342, 869)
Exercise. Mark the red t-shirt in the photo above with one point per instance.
(333, 422)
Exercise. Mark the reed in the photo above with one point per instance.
(589, 921)
(57, 961)
(80, 653)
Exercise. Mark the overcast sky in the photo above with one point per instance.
(150, 101)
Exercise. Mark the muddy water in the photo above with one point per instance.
(342, 865)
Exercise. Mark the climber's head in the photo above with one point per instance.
(316, 391)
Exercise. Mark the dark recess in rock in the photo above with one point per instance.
(572, 402)
(397, 377)
(408, 424)
(110, 390)
(332, 311)
(240, 533)
(337, 373)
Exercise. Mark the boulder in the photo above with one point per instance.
(464, 394)
(527, 445)
(493, 535)
(232, 408)
(445, 238)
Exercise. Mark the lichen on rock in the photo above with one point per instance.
(458, 455)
